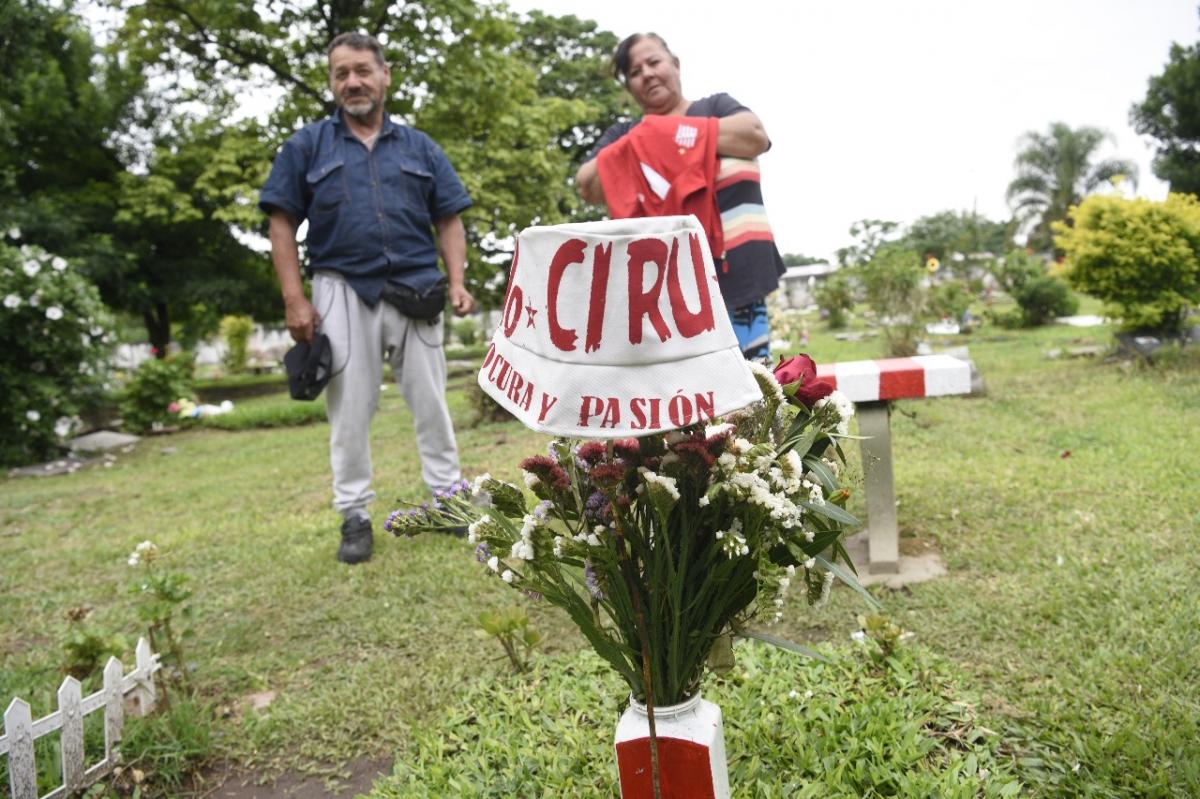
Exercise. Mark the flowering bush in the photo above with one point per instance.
(57, 341)
(153, 396)
(671, 544)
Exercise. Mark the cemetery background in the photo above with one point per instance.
(1056, 658)
(1058, 652)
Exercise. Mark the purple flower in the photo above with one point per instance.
(597, 508)
(483, 552)
(591, 581)
(392, 518)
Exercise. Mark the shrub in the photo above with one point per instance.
(278, 410)
(893, 283)
(467, 331)
(236, 331)
(54, 362)
(485, 409)
(1140, 256)
(835, 296)
(147, 398)
(1015, 268)
(949, 300)
(1043, 298)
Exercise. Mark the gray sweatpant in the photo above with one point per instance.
(362, 338)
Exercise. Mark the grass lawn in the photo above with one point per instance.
(1059, 657)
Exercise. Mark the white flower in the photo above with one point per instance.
(741, 446)
(12, 301)
(717, 429)
(593, 540)
(507, 576)
(143, 552)
(810, 564)
(31, 267)
(494, 563)
(96, 331)
(473, 529)
(54, 313)
(531, 479)
(522, 550)
(674, 437)
(35, 299)
(58, 263)
(33, 416)
(14, 232)
(62, 426)
(858, 637)
(766, 380)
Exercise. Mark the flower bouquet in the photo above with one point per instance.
(663, 548)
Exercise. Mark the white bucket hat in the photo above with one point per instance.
(614, 329)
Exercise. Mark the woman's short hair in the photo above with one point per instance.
(620, 59)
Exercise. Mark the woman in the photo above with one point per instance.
(749, 267)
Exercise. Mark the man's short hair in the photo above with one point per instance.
(357, 41)
(620, 59)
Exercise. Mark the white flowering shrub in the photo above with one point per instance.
(57, 340)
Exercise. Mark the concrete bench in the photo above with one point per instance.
(871, 386)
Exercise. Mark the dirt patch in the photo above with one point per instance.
(358, 777)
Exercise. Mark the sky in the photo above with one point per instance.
(897, 109)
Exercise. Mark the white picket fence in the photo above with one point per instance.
(133, 691)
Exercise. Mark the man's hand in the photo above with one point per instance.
(461, 300)
(302, 319)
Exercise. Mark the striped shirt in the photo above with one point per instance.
(750, 267)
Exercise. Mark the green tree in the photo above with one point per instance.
(1140, 256)
(100, 169)
(893, 285)
(511, 121)
(869, 235)
(796, 259)
(181, 259)
(942, 234)
(1057, 169)
(1170, 113)
(835, 296)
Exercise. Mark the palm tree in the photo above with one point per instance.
(1055, 171)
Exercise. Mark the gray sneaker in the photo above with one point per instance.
(357, 541)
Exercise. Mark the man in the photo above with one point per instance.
(373, 192)
(749, 267)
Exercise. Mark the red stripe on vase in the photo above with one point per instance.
(684, 769)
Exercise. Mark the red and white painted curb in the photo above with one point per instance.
(898, 378)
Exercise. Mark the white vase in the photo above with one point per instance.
(691, 751)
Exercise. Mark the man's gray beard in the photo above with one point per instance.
(364, 112)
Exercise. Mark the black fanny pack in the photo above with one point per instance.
(417, 304)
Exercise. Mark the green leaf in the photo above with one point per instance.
(831, 511)
(823, 473)
(782, 643)
(849, 579)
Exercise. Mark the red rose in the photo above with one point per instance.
(801, 371)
